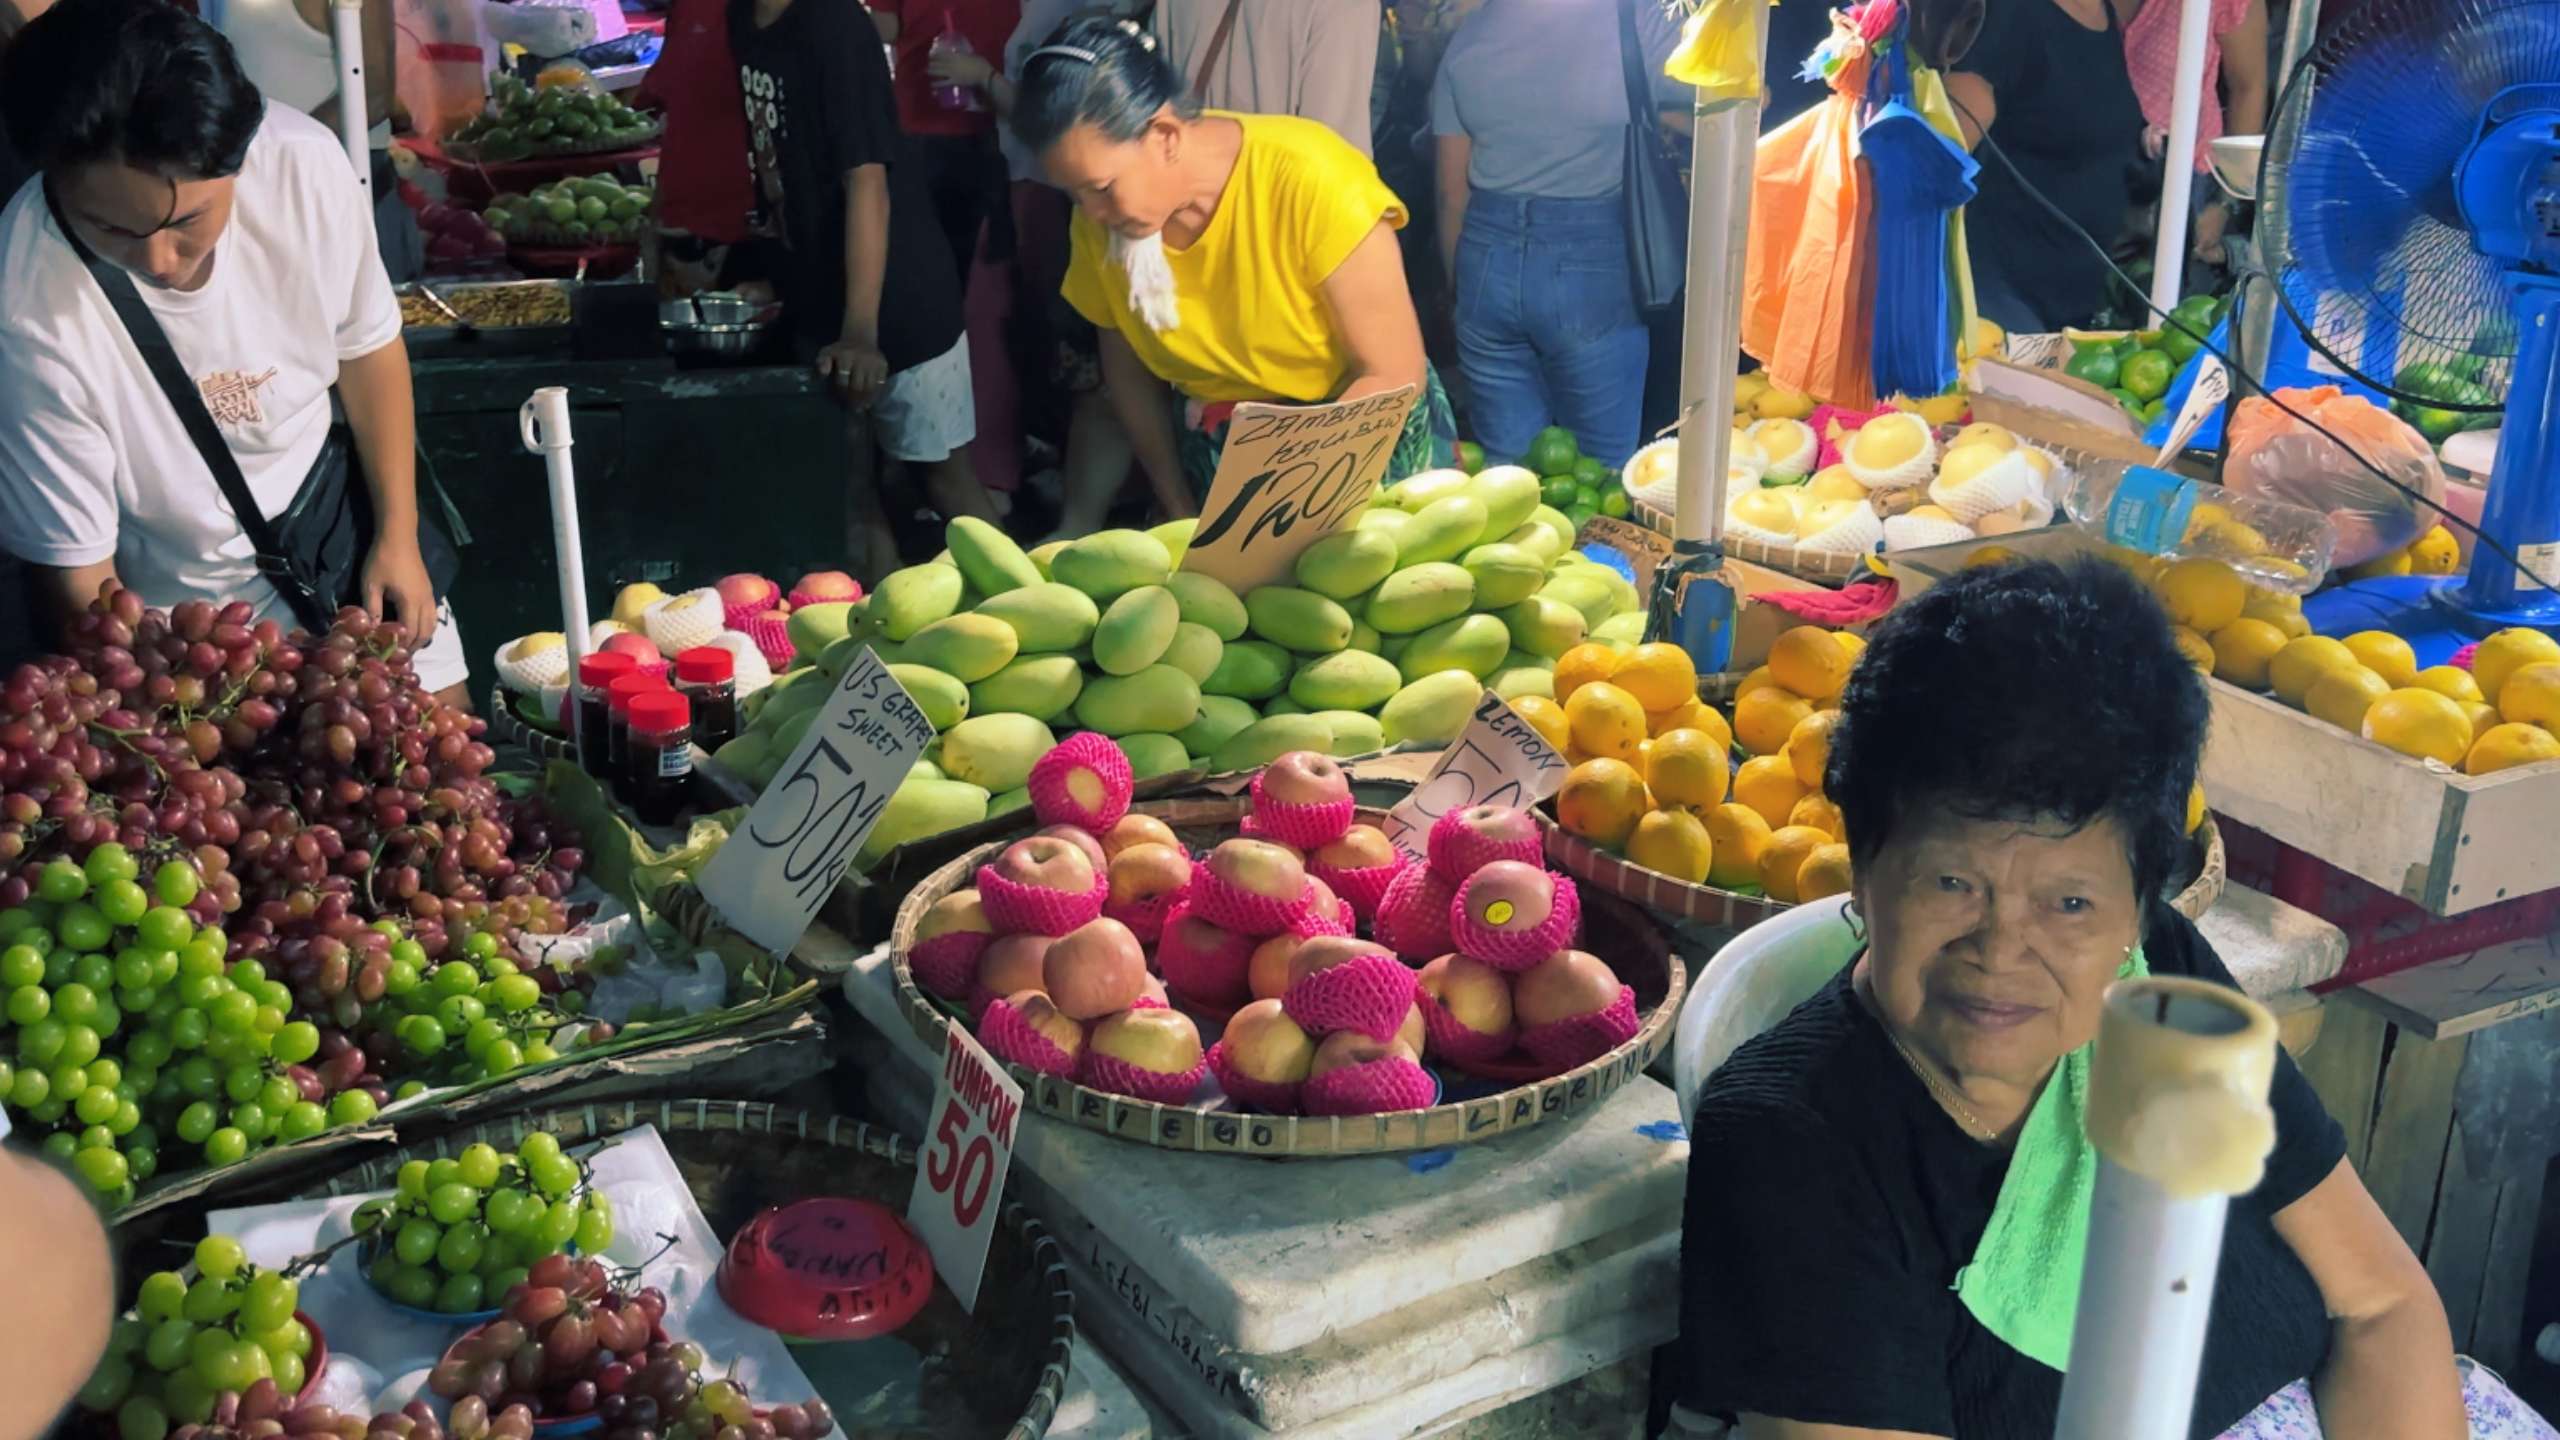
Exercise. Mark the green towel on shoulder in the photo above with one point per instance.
(2024, 1282)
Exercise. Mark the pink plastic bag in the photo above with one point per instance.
(2273, 454)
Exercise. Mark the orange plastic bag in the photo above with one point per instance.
(2273, 454)
(1808, 278)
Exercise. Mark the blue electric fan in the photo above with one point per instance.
(2411, 216)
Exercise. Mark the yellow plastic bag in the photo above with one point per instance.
(1718, 52)
(1808, 280)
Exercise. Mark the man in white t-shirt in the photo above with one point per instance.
(246, 235)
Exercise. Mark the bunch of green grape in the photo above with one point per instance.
(128, 1029)
(459, 1233)
(186, 1342)
(485, 1014)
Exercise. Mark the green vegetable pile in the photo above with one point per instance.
(561, 120)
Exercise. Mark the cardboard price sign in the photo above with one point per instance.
(778, 867)
(960, 1174)
(1625, 546)
(1291, 475)
(1500, 759)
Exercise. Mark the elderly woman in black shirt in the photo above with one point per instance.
(2013, 766)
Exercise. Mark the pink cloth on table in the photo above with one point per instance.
(1827, 453)
(1857, 601)
(2151, 60)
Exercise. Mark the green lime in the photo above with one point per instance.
(1590, 471)
(2131, 402)
(1558, 490)
(1580, 515)
(2146, 339)
(2427, 378)
(2438, 425)
(2100, 367)
(2155, 409)
(1586, 497)
(1553, 452)
(1615, 503)
(2180, 344)
(2147, 374)
(1470, 456)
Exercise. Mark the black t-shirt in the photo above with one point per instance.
(819, 107)
(1831, 1203)
(2069, 120)
(14, 169)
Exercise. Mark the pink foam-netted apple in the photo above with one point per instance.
(1138, 830)
(1095, 969)
(1413, 915)
(1149, 1054)
(745, 596)
(1027, 1028)
(1340, 982)
(1465, 840)
(1360, 1075)
(1466, 1009)
(1042, 885)
(1359, 865)
(1252, 887)
(1572, 1009)
(1511, 914)
(950, 936)
(770, 628)
(825, 587)
(1086, 782)
(1263, 1058)
(1302, 799)
(1202, 960)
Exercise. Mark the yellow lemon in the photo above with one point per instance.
(1779, 403)
(1581, 665)
(2435, 553)
(1601, 800)
(1809, 746)
(1659, 675)
(1605, 720)
(1856, 645)
(2293, 625)
(2270, 605)
(2203, 595)
(2195, 807)
(1687, 767)
(1738, 833)
(2341, 696)
(1788, 849)
(1674, 843)
(1757, 679)
(2421, 723)
(2197, 649)
(2396, 562)
(2450, 681)
(2303, 661)
(1763, 719)
(1767, 784)
(2506, 652)
(1824, 872)
(2386, 655)
(1817, 812)
(1809, 662)
(1546, 717)
(2502, 747)
(2531, 695)
(2243, 649)
(2484, 717)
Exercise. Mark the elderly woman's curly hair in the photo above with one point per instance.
(2025, 691)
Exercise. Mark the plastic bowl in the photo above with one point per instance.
(315, 1362)
(364, 1253)
(827, 1268)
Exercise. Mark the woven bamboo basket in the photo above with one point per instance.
(1002, 1368)
(1632, 944)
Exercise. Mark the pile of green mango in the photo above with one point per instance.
(1449, 583)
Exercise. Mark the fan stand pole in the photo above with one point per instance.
(355, 110)
(2178, 169)
(1727, 142)
(2523, 509)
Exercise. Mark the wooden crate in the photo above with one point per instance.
(2447, 842)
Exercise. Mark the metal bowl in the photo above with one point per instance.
(720, 340)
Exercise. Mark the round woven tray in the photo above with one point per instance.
(997, 1372)
(1633, 944)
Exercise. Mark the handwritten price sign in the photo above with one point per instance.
(1499, 760)
(776, 869)
(960, 1181)
(1291, 475)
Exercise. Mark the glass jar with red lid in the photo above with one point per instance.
(618, 697)
(659, 744)
(587, 722)
(707, 676)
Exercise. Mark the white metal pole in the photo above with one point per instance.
(2149, 1274)
(1726, 139)
(2178, 170)
(355, 114)
(544, 423)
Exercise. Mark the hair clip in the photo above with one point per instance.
(1139, 33)
(1072, 52)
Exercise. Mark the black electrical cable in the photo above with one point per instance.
(1986, 143)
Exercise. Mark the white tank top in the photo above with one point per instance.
(290, 63)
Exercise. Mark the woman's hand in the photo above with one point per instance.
(2213, 220)
(857, 368)
(954, 68)
(2390, 1372)
(396, 587)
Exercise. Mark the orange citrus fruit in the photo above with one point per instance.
(2195, 807)
(1856, 645)
(1824, 872)
(2506, 652)
(1817, 812)
(2243, 649)
(1758, 679)
(1739, 833)
(1601, 800)
(1767, 783)
(2421, 723)
(2435, 553)
(1809, 662)
(2302, 661)
(2504, 746)
(1674, 843)
(1581, 665)
(2341, 696)
(2386, 655)
(2197, 649)
(1659, 675)
(1788, 849)
(2483, 716)
(1546, 717)
(1605, 720)
(1809, 746)
(1687, 767)
(1763, 719)
(1691, 714)
(2450, 681)
(2203, 595)
(2531, 695)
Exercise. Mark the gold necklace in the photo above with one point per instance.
(1945, 1094)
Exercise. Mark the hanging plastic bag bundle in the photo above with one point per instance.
(1920, 178)
(1808, 278)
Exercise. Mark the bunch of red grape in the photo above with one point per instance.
(571, 1342)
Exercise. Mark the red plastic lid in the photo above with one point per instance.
(617, 696)
(604, 667)
(654, 712)
(706, 665)
(827, 1269)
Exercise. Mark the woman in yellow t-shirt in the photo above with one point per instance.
(1229, 257)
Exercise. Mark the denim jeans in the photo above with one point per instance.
(1548, 332)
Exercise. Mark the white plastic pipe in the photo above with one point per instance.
(2178, 169)
(2149, 1273)
(1726, 139)
(355, 113)
(544, 423)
